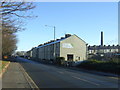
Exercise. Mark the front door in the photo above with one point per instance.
(70, 57)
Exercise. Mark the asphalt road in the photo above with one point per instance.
(48, 76)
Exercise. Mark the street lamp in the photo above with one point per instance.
(53, 28)
(54, 38)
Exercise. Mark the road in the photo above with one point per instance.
(48, 76)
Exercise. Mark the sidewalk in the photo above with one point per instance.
(15, 77)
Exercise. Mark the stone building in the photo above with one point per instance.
(71, 47)
(103, 50)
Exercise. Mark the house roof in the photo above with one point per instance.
(58, 41)
(103, 47)
(52, 43)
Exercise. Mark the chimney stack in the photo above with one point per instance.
(67, 35)
(101, 38)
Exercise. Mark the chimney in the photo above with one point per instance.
(62, 37)
(101, 38)
(57, 39)
(67, 35)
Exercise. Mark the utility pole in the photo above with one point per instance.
(54, 43)
(54, 28)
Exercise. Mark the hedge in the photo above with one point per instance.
(112, 66)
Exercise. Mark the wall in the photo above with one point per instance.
(47, 52)
(76, 46)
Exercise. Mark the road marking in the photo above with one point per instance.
(85, 80)
(28, 77)
(115, 78)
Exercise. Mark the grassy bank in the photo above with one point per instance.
(3, 64)
(112, 66)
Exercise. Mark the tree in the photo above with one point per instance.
(11, 8)
(8, 43)
(10, 13)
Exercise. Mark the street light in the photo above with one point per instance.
(54, 38)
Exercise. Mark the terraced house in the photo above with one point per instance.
(71, 47)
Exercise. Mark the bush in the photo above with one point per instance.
(112, 66)
(60, 60)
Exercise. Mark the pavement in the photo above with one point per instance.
(16, 77)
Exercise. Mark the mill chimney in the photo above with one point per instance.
(101, 38)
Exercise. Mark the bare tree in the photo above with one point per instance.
(12, 8)
(10, 25)
(9, 43)
(12, 12)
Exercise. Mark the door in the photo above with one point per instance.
(70, 57)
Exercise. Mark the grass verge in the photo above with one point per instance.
(3, 64)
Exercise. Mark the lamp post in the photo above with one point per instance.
(54, 38)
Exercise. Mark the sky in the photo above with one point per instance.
(85, 19)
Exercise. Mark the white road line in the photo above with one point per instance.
(85, 80)
(115, 78)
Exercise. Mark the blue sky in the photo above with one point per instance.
(85, 19)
